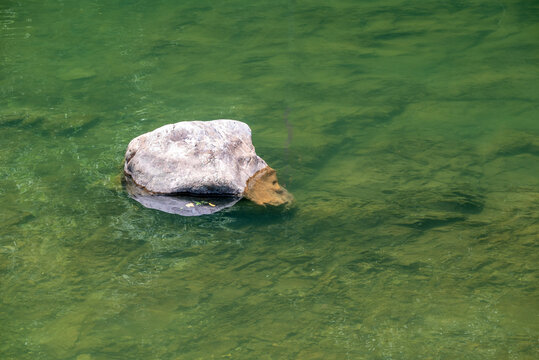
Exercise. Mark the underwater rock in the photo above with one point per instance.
(23, 118)
(202, 158)
(49, 122)
(11, 119)
(76, 73)
(436, 207)
(264, 189)
(511, 143)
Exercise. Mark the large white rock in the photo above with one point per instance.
(194, 157)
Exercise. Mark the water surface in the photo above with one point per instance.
(407, 132)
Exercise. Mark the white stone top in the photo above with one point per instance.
(194, 157)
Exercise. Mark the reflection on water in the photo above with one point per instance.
(407, 133)
(183, 205)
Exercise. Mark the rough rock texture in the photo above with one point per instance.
(264, 189)
(194, 157)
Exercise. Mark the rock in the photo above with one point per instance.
(49, 122)
(263, 188)
(23, 118)
(511, 143)
(202, 158)
(11, 119)
(76, 73)
(195, 157)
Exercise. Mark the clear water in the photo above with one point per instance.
(406, 130)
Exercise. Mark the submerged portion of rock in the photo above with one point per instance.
(194, 157)
(264, 189)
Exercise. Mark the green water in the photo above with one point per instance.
(407, 131)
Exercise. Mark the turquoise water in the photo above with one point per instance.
(407, 132)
